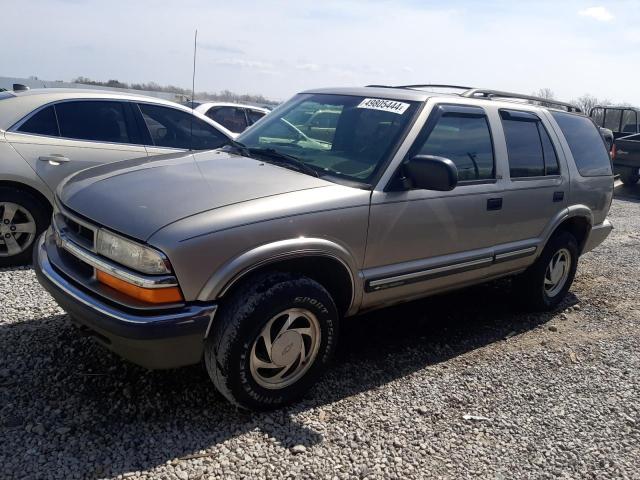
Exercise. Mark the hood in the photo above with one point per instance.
(138, 197)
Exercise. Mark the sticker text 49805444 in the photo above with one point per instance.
(384, 105)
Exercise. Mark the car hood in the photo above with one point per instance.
(138, 197)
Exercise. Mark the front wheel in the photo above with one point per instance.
(544, 285)
(272, 340)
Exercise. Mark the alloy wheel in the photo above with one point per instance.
(285, 348)
(557, 272)
(17, 229)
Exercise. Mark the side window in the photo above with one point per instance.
(586, 145)
(551, 166)
(598, 116)
(612, 117)
(530, 150)
(232, 118)
(465, 139)
(173, 128)
(42, 123)
(98, 121)
(629, 121)
(254, 116)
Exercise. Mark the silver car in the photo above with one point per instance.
(234, 116)
(48, 134)
(252, 255)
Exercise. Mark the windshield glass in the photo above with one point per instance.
(341, 136)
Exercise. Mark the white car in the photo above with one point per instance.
(233, 116)
(48, 134)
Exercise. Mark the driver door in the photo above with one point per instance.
(423, 241)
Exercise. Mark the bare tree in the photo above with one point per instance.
(546, 93)
(586, 102)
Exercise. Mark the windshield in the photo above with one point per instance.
(340, 136)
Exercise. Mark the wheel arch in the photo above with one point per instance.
(42, 198)
(577, 220)
(325, 261)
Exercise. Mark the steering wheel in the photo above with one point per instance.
(301, 136)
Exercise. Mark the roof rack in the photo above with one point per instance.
(432, 85)
(435, 85)
(471, 92)
(489, 94)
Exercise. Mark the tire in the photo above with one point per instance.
(629, 176)
(535, 286)
(20, 210)
(236, 349)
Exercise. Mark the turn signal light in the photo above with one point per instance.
(149, 295)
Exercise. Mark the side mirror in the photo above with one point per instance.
(428, 172)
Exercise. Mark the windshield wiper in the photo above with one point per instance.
(240, 147)
(284, 159)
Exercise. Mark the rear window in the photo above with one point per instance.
(530, 150)
(586, 144)
(100, 121)
(41, 123)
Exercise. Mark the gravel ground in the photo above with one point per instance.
(420, 390)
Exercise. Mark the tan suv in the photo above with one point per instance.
(252, 256)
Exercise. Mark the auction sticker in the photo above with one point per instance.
(384, 105)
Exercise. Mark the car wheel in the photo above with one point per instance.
(544, 285)
(22, 218)
(630, 176)
(271, 340)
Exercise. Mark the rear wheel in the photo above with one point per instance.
(22, 218)
(629, 176)
(272, 340)
(544, 285)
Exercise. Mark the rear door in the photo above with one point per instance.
(165, 130)
(63, 138)
(537, 190)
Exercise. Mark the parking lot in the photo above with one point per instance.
(457, 386)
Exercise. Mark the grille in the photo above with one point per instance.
(79, 232)
(76, 230)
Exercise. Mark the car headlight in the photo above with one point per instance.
(130, 254)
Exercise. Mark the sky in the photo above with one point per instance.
(277, 47)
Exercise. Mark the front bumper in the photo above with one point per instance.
(597, 235)
(155, 340)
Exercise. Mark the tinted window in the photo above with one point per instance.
(465, 140)
(42, 123)
(612, 119)
(530, 150)
(551, 166)
(96, 121)
(254, 116)
(366, 132)
(598, 116)
(586, 144)
(629, 121)
(229, 117)
(173, 128)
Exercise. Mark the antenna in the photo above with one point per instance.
(193, 87)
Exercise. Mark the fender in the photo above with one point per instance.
(572, 211)
(232, 271)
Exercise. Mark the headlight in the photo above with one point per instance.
(130, 254)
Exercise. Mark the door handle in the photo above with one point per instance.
(494, 204)
(54, 159)
(558, 196)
